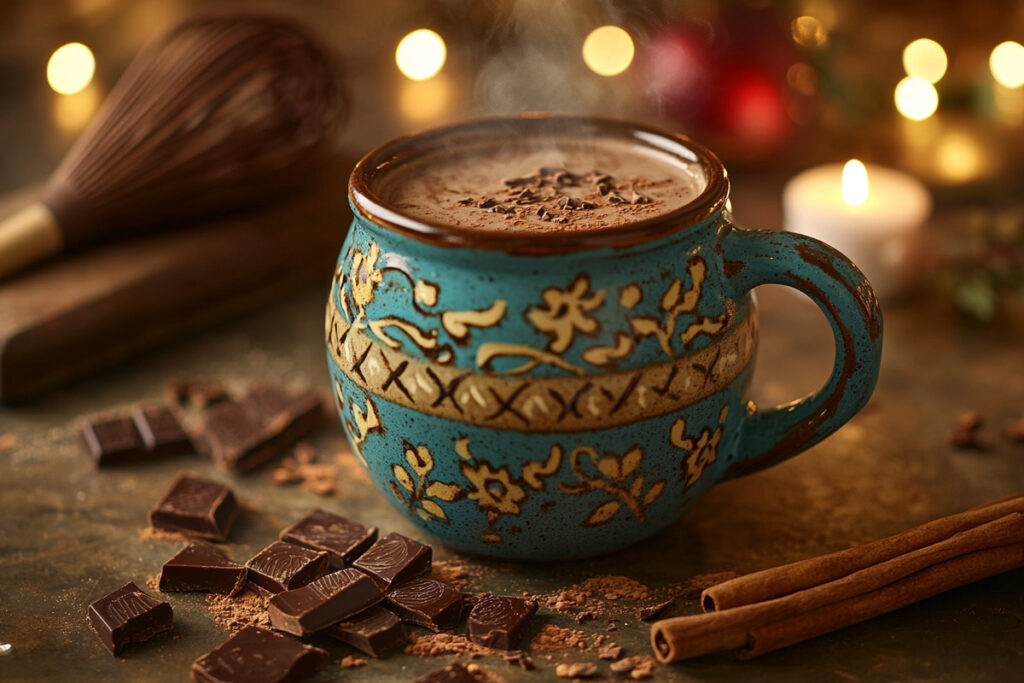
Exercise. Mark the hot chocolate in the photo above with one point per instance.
(541, 184)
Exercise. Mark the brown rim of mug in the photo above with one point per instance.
(378, 162)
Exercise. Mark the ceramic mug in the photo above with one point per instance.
(610, 435)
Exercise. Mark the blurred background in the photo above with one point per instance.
(931, 89)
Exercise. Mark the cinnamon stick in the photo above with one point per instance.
(810, 611)
(778, 581)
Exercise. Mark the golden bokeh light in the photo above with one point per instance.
(425, 101)
(916, 98)
(72, 112)
(854, 182)
(802, 78)
(1007, 64)
(608, 50)
(808, 32)
(70, 68)
(925, 59)
(421, 54)
(958, 157)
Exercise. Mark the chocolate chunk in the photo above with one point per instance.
(565, 178)
(244, 435)
(651, 611)
(616, 198)
(394, 559)
(196, 507)
(161, 432)
(201, 567)
(199, 392)
(544, 215)
(113, 442)
(426, 602)
(375, 631)
(487, 203)
(323, 602)
(499, 209)
(519, 182)
(128, 616)
(500, 622)
(255, 655)
(603, 188)
(453, 673)
(343, 539)
(585, 205)
(285, 566)
(470, 600)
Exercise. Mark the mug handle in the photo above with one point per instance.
(758, 257)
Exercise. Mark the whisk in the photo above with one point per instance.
(220, 112)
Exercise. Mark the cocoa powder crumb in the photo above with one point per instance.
(234, 613)
(153, 582)
(638, 667)
(350, 662)
(551, 637)
(610, 651)
(692, 589)
(451, 572)
(150, 534)
(321, 479)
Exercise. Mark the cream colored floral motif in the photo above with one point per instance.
(630, 295)
(416, 490)
(675, 302)
(618, 476)
(604, 355)
(457, 323)
(701, 451)
(565, 312)
(365, 275)
(366, 423)
(496, 491)
(363, 279)
(488, 351)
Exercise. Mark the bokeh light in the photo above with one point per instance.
(70, 68)
(855, 182)
(916, 98)
(924, 58)
(958, 157)
(425, 101)
(1007, 64)
(808, 32)
(421, 54)
(608, 50)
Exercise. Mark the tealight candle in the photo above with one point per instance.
(871, 214)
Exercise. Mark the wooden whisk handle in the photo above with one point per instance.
(30, 235)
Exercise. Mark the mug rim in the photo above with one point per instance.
(378, 161)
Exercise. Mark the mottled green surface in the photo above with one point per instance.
(69, 534)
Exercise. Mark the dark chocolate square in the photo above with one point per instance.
(323, 602)
(128, 615)
(376, 631)
(499, 621)
(200, 566)
(257, 655)
(196, 507)
(113, 442)
(285, 566)
(342, 538)
(393, 559)
(426, 602)
(161, 432)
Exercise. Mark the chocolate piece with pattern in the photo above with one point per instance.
(128, 616)
(285, 566)
(196, 506)
(500, 621)
(323, 602)
(200, 566)
(376, 631)
(393, 559)
(257, 655)
(426, 602)
(343, 539)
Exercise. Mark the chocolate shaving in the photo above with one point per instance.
(487, 203)
(519, 182)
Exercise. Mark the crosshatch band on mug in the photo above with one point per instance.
(541, 335)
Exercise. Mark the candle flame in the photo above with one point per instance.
(855, 183)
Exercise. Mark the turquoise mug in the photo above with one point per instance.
(564, 393)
